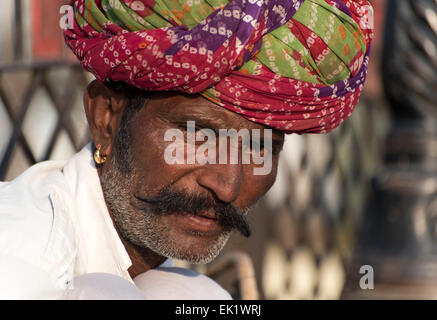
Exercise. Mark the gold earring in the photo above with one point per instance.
(98, 158)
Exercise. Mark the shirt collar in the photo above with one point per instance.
(99, 247)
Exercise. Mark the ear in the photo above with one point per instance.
(104, 109)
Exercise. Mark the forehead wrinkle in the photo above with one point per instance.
(211, 115)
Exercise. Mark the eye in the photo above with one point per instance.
(256, 146)
(183, 126)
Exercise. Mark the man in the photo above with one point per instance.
(120, 206)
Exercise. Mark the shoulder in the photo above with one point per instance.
(171, 283)
(34, 232)
(26, 212)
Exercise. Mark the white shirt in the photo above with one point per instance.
(55, 226)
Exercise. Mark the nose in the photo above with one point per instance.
(224, 180)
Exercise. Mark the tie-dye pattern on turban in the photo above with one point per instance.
(294, 65)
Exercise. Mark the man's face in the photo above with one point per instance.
(183, 211)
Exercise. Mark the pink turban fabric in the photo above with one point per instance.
(298, 66)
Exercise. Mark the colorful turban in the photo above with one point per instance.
(294, 65)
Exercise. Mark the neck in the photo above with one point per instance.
(143, 259)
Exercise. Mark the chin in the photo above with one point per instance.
(198, 247)
(193, 246)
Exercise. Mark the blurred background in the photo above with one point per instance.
(364, 195)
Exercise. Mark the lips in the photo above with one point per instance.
(204, 222)
(208, 215)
